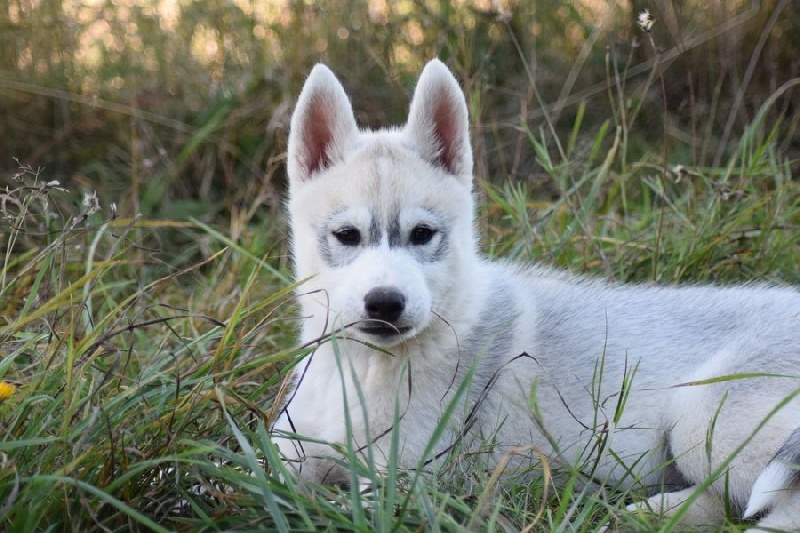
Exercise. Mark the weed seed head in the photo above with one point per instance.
(91, 203)
(645, 20)
(679, 172)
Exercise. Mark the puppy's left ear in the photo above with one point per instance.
(438, 122)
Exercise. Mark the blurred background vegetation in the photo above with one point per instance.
(140, 341)
(177, 108)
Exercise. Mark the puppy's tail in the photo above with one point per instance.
(781, 473)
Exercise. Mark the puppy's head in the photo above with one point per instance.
(381, 220)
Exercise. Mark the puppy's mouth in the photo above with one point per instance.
(383, 330)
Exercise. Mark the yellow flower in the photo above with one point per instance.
(6, 389)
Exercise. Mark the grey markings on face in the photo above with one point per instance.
(375, 232)
(334, 253)
(395, 235)
(399, 235)
(433, 251)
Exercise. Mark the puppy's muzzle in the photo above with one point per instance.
(383, 307)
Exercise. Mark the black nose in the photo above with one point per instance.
(384, 303)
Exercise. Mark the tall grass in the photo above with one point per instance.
(142, 346)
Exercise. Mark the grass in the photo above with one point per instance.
(142, 356)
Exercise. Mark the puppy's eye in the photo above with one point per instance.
(421, 234)
(348, 236)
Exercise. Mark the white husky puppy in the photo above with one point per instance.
(415, 320)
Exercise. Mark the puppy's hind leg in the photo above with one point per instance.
(783, 516)
(705, 510)
(776, 490)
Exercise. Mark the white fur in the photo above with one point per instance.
(528, 341)
(774, 478)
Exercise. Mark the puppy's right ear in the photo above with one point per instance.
(322, 126)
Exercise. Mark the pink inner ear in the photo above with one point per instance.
(447, 134)
(317, 136)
